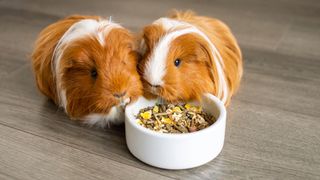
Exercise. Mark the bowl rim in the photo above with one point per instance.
(220, 119)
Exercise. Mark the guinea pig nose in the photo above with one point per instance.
(120, 95)
(155, 86)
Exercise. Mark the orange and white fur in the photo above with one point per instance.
(185, 56)
(87, 66)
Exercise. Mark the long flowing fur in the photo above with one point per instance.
(207, 47)
(221, 35)
(68, 51)
(43, 53)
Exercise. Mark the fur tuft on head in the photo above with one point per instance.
(188, 55)
(87, 65)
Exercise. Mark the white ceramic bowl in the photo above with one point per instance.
(176, 151)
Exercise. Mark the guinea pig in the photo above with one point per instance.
(185, 56)
(88, 66)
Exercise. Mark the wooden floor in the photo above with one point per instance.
(273, 127)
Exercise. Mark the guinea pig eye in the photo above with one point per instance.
(94, 73)
(177, 62)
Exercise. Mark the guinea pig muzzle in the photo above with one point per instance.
(124, 102)
(154, 89)
(122, 98)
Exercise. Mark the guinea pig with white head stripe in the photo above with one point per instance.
(185, 56)
(87, 66)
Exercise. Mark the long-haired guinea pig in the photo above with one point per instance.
(87, 66)
(185, 56)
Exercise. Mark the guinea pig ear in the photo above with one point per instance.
(151, 35)
(43, 52)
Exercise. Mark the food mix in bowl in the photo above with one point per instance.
(174, 118)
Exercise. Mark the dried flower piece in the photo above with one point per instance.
(146, 115)
(187, 106)
(171, 118)
(177, 109)
(166, 120)
(155, 109)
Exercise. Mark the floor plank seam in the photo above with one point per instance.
(246, 47)
(277, 108)
(7, 175)
(90, 152)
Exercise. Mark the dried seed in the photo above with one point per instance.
(181, 129)
(170, 118)
(192, 129)
(163, 108)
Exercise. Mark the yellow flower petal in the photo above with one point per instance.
(188, 106)
(176, 109)
(166, 120)
(193, 108)
(146, 115)
(155, 109)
